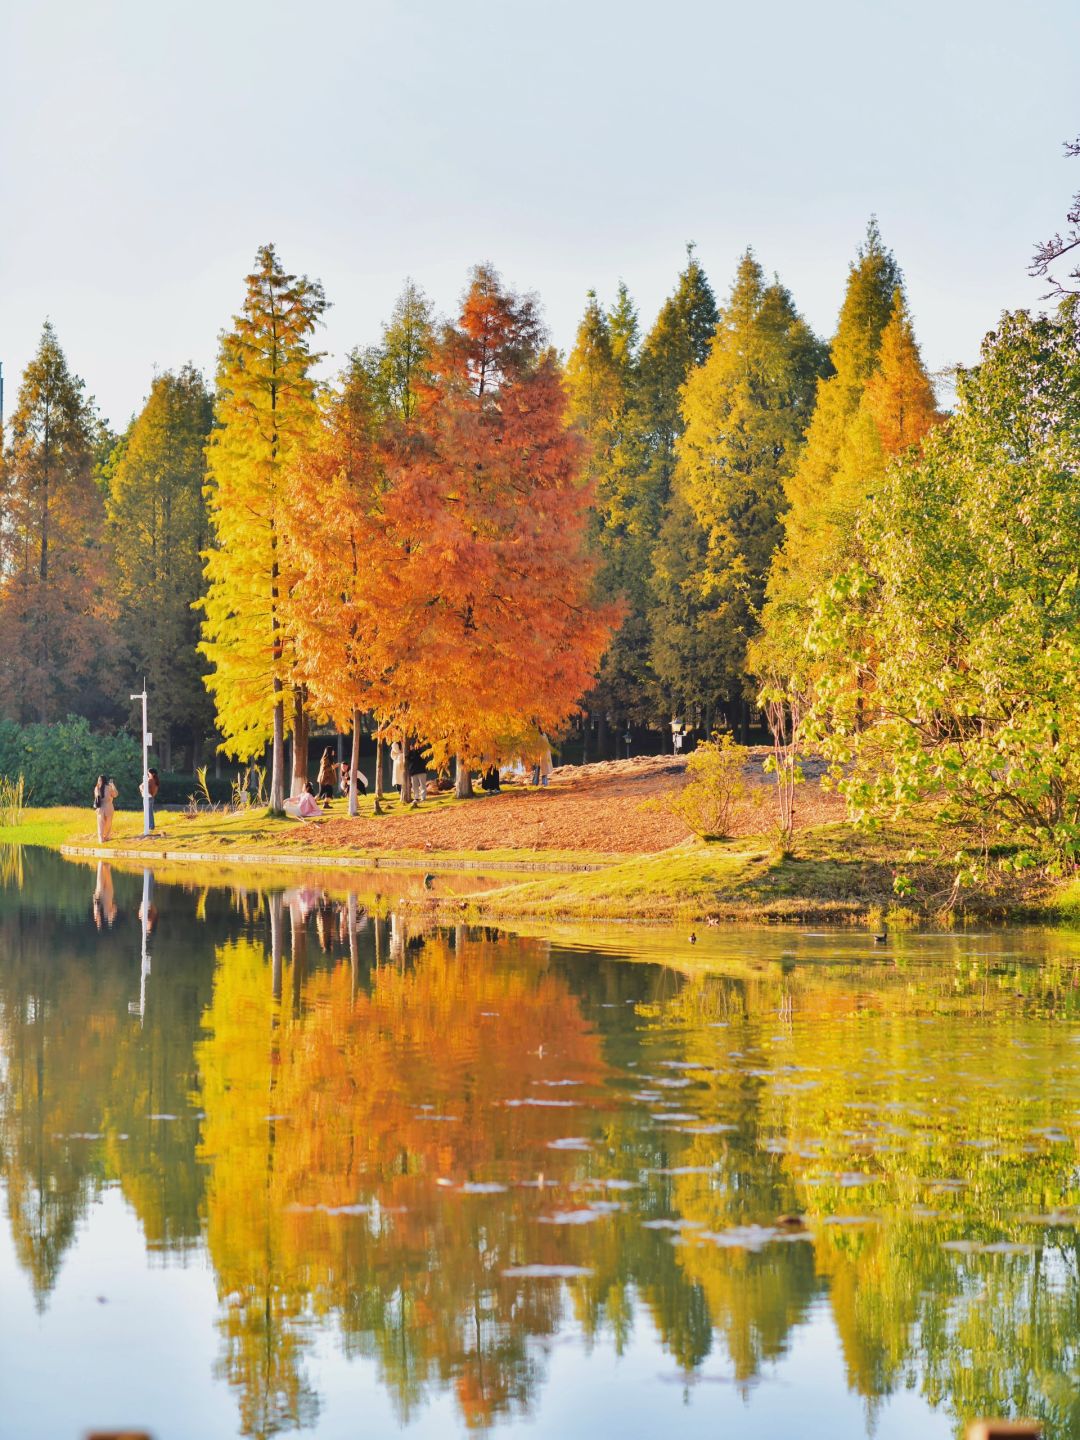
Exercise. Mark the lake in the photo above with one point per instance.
(281, 1158)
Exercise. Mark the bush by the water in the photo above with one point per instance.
(715, 785)
(59, 763)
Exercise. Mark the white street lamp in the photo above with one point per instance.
(147, 741)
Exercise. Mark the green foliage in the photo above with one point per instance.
(950, 656)
(158, 526)
(59, 763)
(625, 399)
(744, 412)
(714, 787)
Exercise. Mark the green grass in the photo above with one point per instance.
(51, 828)
(839, 873)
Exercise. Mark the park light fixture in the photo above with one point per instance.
(147, 741)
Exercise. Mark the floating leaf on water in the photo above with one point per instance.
(546, 1272)
(483, 1187)
(598, 1211)
(540, 1101)
(992, 1247)
(570, 1142)
(711, 1128)
(685, 1170)
(674, 1224)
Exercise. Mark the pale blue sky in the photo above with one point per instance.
(147, 148)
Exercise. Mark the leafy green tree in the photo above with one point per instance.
(158, 525)
(56, 644)
(266, 415)
(949, 655)
(811, 552)
(744, 413)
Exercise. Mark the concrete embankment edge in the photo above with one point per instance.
(331, 862)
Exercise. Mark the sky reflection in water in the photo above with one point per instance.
(271, 1162)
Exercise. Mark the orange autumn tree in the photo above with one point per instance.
(482, 525)
(342, 596)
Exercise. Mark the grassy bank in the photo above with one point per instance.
(839, 874)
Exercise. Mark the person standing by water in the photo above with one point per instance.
(148, 789)
(105, 794)
(327, 771)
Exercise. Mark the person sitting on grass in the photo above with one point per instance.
(306, 807)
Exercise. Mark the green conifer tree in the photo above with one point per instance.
(158, 524)
(744, 413)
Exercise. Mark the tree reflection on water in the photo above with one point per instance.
(450, 1147)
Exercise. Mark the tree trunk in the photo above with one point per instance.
(601, 738)
(462, 779)
(277, 762)
(354, 762)
(585, 725)
(277, 912)
(354, 949)
(300, 741)
(378, 768)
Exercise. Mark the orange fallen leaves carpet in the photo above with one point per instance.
(596, 808)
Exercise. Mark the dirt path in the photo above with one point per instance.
(604, 807)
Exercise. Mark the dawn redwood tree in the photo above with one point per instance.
(56, 638)
(483, 522)
(158, 526)
(819, 489)
(344, 595)
(265, 416)
(744, 414)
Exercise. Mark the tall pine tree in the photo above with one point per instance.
(744, 413)
(158, 525)
(266, 414)
(56, 637)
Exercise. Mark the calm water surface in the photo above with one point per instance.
(270, 1163)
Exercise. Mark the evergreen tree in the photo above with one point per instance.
(55, 638)
(820, 492)
(158, 524)
(744, 413)
(266, 414)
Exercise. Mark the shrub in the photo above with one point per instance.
(59, 763)
(715, 786)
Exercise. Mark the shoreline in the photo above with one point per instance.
(839, 875)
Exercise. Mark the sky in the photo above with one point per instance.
(148, 148)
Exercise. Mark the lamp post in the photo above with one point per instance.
(147, 741)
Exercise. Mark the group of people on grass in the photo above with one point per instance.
(408, 771)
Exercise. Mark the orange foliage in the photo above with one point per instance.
(448, 586)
